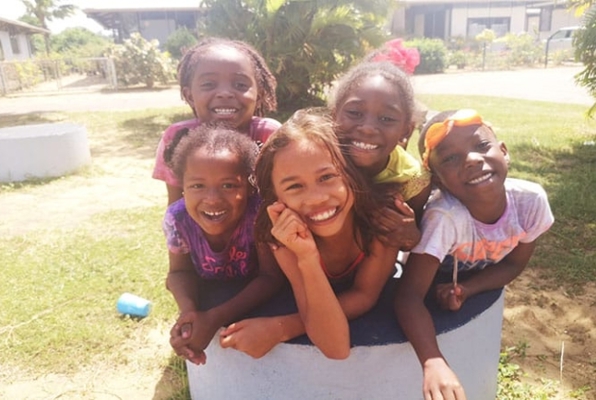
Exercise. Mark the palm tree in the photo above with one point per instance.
(306, 43)
(47, 10)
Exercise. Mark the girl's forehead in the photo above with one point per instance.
(302, 149)
(465, 134)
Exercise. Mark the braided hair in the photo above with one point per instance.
(266, 82)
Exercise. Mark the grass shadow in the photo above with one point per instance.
(33, 118)
(173, 384)
(567, 252)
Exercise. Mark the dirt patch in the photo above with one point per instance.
(554, 332)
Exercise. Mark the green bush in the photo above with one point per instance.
(522, 49)
(458, 58)
(139, 61)
(433, 55)
(179, 41)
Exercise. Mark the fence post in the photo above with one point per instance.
(112, 73)
(3, 81)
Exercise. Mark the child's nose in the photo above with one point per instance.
(212, 196)
(473, 158)
(316, 196)
(368, 126)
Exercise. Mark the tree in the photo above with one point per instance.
(306, 43)
(179, 41)
(47, 10)
(585, 47)
(79, 42)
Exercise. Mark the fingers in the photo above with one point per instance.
(404, 208)
(274, 210)
(235, 327)
(186, 331)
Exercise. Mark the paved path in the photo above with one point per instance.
(552, 84)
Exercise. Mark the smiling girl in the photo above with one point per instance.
(315, 213)
(209, 233)
(221, 80)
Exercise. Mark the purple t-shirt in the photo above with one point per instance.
(237, 261)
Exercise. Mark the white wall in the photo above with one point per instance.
(460, 15)
(23, 47)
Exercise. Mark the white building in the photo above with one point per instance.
(15, 43)
(465, 18)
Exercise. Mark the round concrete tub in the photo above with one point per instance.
(382, 363)
(42, 151)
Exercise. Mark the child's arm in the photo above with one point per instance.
(439, 381)
(371, 276)
(320, 314)
(258, 336)
(418, 202)
(495, 276)
(182, 281)
(259, 289)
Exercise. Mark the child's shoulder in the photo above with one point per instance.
(176, 126)
(523, 186)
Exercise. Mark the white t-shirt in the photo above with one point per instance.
(448, 229)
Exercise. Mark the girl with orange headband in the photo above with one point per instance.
(480, 225)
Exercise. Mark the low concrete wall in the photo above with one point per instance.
(42, 151)
(382, 363)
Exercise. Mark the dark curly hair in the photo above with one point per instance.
(212, 137)
(317, 126)
(266, 82)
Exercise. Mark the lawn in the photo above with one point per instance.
(70, 246)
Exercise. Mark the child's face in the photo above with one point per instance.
(216, 191)
(307, 182)
(372, 122)
(223, 88)
(471, 164)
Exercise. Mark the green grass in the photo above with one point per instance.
(60, 285)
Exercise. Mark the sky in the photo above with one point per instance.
(14, 9)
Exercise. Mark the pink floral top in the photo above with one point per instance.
(259, 131)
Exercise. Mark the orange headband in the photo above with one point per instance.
(439, 130)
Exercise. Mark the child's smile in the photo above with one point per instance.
(306, 181)
(215, 192)
(372, 122)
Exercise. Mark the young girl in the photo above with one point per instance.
(222, 81)
(372, 105)
(314, 209)
(480, 224)
(209, 234)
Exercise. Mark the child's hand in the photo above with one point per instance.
(440, 382)
(450, 296)
(179, 340)
(398, 225)
(195, 331)
(290, 230)
(254, 336)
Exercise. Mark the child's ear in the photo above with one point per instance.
(436, 181)
(505, 152)
(403, 142)
(187, 96)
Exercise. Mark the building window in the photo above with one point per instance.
(1, 52)
(14, 42)
(546, 18)
(498, 25)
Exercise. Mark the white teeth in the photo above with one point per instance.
(324, 215)
(214, 214)
(223, 111)
(481, 179)
(364, 146)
